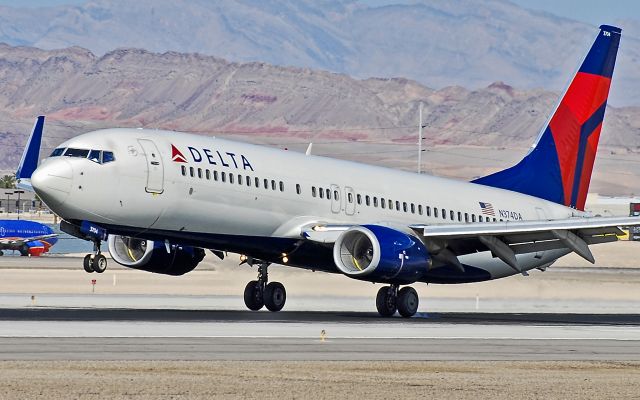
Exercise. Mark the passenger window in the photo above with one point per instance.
(248, 181)
(404, 206)
(350, 197)
(452, 215)
(390, 204)
(336, 195)
(281, 186)
(473, 218)
(215, 175)
(367, 200)
(413, 208)
(321, 193)
(208, 174)
(466, 217)
(184, 170)
(375, 201)
(397, 205)
(480, 218)
(200, 173)
(273, 185)
(429, 211)
(298, 190)
(435, 212)
(459, 216)
(257, 182)
(420, 209)
(328, 194)
(359, 198)
(231, 178)
(191, 172)
(444, 214)
(223, 176)
(239, 179)
(313, 191)
(383, 203)
(266, 183)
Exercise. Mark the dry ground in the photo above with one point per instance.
(319, 380)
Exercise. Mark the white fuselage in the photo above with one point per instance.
(148, 186)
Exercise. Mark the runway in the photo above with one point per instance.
(151, 334)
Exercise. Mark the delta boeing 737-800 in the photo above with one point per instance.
(162, 198)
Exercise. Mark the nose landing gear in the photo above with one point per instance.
(95, 262)
(260, 293)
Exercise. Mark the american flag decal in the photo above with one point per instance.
(487, 209)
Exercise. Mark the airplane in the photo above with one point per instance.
(30, 238)
(160, 198)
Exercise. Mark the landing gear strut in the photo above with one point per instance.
(260, 293)
(390, 299)
(95, 262)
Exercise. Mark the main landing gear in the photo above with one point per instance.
(259, 293)
(95, 262)
(390, 299)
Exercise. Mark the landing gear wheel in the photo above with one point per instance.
(275, 296)
(253, 296)
(407, 301)
(99, 263)
(386, 301)
(1, 253)
(24, 251)
(87, 263)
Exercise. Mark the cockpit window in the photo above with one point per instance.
(94, 155)
(80, 153)
(107, 156)
(57, 152)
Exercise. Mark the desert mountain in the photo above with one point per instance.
(438, 43)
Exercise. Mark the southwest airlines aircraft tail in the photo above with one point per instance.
(162, 198)
(558, 167)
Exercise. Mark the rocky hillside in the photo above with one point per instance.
(79, 91)
(436, 42)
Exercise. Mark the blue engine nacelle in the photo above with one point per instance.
(380, 254)
(151, 256)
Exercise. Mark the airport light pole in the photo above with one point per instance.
(18, 192)
(8, 204)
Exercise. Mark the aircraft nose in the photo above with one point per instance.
(52, 181)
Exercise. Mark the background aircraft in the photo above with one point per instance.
(28, 237)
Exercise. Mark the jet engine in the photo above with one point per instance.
(380, 254)
(152, 256)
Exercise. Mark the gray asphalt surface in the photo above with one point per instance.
(151, 334)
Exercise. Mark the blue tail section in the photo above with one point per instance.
(29, 161)
(558, 167)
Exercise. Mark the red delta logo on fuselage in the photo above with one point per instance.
(213, 157)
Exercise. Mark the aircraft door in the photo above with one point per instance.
(349, 201)
(155, 170)
(336, 199)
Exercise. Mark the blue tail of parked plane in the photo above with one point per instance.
(558, 167)
(30, 156)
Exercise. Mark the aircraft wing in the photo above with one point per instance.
(20, 241)
(504, 239)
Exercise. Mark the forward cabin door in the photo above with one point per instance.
(155, 170)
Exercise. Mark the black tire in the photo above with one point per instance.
(99, 263)
(385, 302)
(253, 296)
(408, 301)
(87, 263)
(275, 296)
(1, 253)
(24, 251)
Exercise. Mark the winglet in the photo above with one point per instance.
(29, 161)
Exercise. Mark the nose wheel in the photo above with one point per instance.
(95, 262)
(262, 293)
(391, 299)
